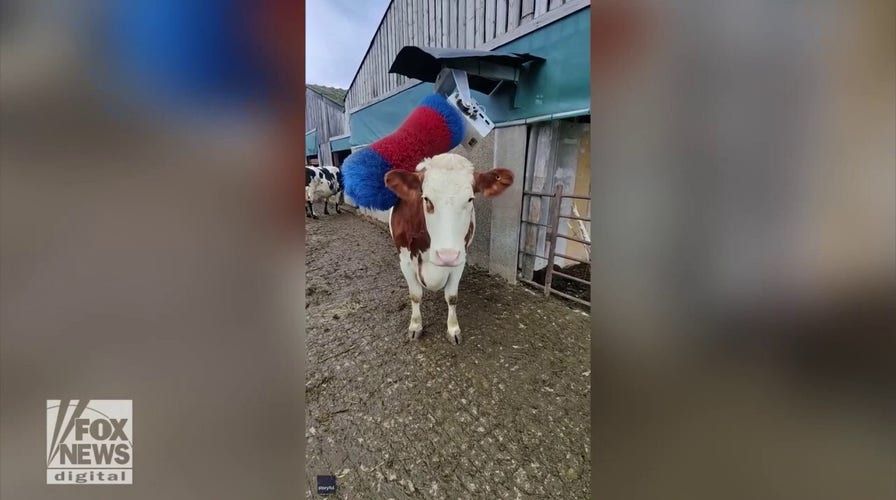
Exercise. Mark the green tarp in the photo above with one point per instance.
(340, 144)
(311, 143)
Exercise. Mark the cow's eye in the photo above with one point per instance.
(429, 207)
(470, 200)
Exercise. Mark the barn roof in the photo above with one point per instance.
(332, 93)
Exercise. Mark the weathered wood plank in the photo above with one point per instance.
(365, 84)
(411, 22)
(423, 5)
(371, 72)
(353, 97)
(387, 48)
(378, 68)
(418, 23)
(490, 6)
(501, 17)
(403, 23)
(433, 32)
(404, 39)
(513, 14)
(541, 6)
(407, 22)
(470, 25)
(436, 23)
(381, 73)
(390, 54)
(461, 22)
(434, 17)
(427, 27)
(553, 4)
(387, 84)
(531, 209)
(446, 25)
(364, 80)
(452, 24)
(480, 23)
(527, 12)
(402, 36)
(384, 55)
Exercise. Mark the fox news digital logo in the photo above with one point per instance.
(89, 441)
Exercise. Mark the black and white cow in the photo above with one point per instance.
(322, 183)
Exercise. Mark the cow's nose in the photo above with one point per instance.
(447, 256)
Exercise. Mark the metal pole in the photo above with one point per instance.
(555, 228)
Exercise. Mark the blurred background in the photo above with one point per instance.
(745, 175)
(148, 238)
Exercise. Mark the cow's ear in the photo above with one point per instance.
(405, 184)
(493, 182)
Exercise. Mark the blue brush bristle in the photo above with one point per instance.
(363, 172)
(452, 116)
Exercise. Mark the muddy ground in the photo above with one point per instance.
(503, 415)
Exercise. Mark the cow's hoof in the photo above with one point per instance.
(315, 217)
(454, 336)
(415, 329)
(415, 333)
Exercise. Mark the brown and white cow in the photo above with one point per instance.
(432, 226)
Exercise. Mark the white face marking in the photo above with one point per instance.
(448, 191)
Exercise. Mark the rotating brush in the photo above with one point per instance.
(434, 127)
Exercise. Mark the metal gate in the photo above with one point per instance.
(553, 234)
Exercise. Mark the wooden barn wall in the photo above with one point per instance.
(465, 24)
(328, 118)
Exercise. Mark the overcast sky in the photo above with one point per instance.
(337, 33)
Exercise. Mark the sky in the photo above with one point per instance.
(337, 33)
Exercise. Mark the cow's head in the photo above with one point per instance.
(444, 187)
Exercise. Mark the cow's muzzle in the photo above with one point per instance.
(446, 257)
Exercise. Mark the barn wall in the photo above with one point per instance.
(560, 86)
(328, 118)
(465, 24)
(378, 102)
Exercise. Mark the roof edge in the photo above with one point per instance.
(369, 46)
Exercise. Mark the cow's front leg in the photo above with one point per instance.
(451, 298)
(327, 206)
(337, 203)
(415, 289)
(310, 210)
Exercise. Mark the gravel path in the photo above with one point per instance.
(503, 415)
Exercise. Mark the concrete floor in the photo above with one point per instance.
(503, 415)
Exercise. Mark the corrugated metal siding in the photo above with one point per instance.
(468, 24)
(328, 118)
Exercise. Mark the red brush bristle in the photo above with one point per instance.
(422, 135)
